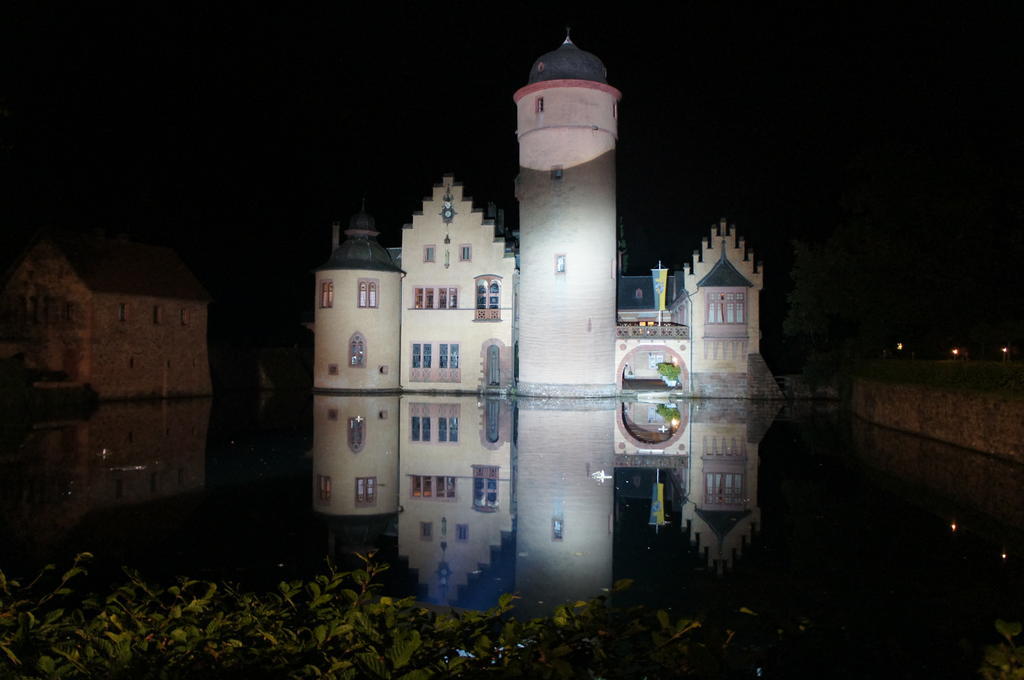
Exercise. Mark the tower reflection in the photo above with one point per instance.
(473, 497)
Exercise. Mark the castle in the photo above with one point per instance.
(466, 306)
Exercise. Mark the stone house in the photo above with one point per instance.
(125, 318)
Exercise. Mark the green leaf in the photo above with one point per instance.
(663, 618)
(10, 655)
(403, 649)
(372, 662)
(483, 646)
(418, 674)
(46, 664)
(1008, 629)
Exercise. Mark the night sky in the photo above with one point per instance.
(238, 136)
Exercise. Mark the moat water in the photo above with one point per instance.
(859, 550)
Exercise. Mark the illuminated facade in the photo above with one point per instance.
(464, 306)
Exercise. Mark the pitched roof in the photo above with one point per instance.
(723, 274)
(116, 265)
(628, 286)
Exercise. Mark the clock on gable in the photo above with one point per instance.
(447, 206)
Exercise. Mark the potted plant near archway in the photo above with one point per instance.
(669, 373)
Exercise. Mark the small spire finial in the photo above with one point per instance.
(568, 40)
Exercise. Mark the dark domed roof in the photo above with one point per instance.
(362, 220)
(360, 249)
(568, 62)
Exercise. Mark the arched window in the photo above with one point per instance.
(326, 294)
(481, 295)
(356, 433)
(494, 295)
(357, 351)
(368, 290)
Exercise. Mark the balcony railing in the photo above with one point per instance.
(664, 331)
(493, 314)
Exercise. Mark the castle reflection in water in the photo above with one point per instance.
(485, 496)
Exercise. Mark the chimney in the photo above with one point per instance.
(335, 235)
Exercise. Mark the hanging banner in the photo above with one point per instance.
(657, 505)
(660, 278)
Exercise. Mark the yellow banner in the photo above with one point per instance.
(660, 277)
(657, 505)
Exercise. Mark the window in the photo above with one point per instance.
(655, 358)
(326, 294)
(432, 486)
(357, 351)
(122, 310)
(723, 487)
(461, 532)
(158, 314)
(465, 253)
(485, 488)
(488, 298)
(426, 530)
(368, 290)
(420, 426)
(417, 355)
(448, 355)
(356, 433)
(366, 491)
(428, 253)
(538, 105)
(435, 298)
(726, 308)
(186, 316)
(448, 429)
(559, 264)
(323, 488)
(426, 355)
(493, 427)
(557, 528)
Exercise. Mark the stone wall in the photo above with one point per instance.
(979, 421)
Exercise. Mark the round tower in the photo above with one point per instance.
(567, 129)
(358, 314)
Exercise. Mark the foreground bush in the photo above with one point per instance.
(334, 626)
